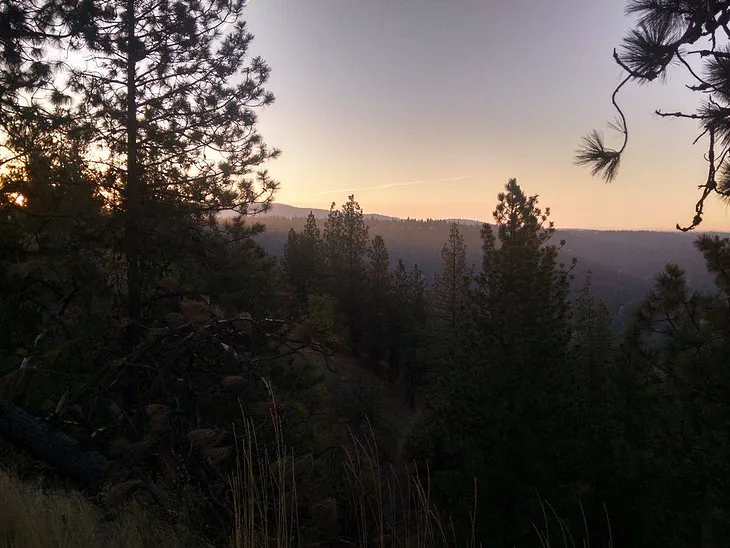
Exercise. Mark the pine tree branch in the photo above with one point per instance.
(707, 52)
(709, 186)
(679, 114)
(704, 85)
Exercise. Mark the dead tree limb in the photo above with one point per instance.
(58, 450)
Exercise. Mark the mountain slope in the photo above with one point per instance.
(622, 264)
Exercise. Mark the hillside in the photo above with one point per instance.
(622, 264)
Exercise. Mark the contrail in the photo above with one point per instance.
(389, 185)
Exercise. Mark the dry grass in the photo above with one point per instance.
(382, 507)
(386, 507)
(32, 517)
(562, 537)
(393, 507)
(264, 491)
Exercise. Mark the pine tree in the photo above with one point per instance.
(166, 93)
(523, 287)
(170, 100)
(312, 243)
(410, 324)
(302, 261)
(52, 252)
(378, 274)
(591, 341)
(345, 241)
(355, 236)
(378, 301)
(589, 397)
(508, 379)
(332, 239)
(679, 345)
(450, 292)
(524, 312)
(29, 29)
(291, 263)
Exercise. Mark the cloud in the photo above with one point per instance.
(391, 185)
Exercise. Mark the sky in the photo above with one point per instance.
(425, 108)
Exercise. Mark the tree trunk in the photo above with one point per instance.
(54, 448)
(132, 190)
(132, 212)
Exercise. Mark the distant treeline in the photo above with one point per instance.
(622, 264)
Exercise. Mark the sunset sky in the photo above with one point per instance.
(425, 108)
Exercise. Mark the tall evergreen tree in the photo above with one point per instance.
(332, 238)
(590, 395)
(410, 322)
(291, 263)
(345, 242)
(170, 99)
(379, 294)
(53, 254)
(312, 241)
(450, 292)
(523, 287)
(679, 343)
(29, 29)
(509, 379)
(355, 237)
(167, 94)
(591, 341)
(302, 261)
(523, 293)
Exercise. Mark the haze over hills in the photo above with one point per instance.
(293, 212)
(297, 212)
(622, 263)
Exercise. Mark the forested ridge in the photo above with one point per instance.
(622, 264)
(167, 381)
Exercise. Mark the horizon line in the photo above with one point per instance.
(478, 221)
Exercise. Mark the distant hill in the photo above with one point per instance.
(466, 222)
(623, 264)
(292, 212)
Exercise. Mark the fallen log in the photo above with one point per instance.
(54, 448)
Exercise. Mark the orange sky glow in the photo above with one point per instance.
(425, 108)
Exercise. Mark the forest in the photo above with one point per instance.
(622, 264)
(179, 367)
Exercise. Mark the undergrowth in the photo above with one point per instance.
(378, 506)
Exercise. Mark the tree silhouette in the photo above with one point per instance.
(507, 378)
(379, 295)
(170, 99)
(450, 292)
(302, 260)
(410, 323)
(679, 345)
(523, 287)
(345, 242)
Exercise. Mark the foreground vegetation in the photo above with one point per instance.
(34, 517)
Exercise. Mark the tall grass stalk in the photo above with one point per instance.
(264, 492)
(392, 508)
